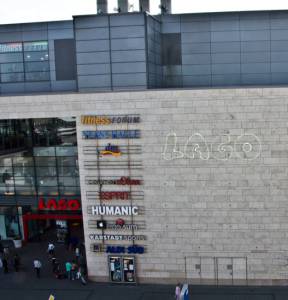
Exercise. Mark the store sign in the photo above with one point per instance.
(116, 237)
(101, 224)
(111, 134)
(121, 181)
(135, 249)
(114, 210)
(122, 249)
(62, 204)
(115, 195)
(106, 120)
(112, 150)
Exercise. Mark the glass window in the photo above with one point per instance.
(25, 190)
(12, 226)
(69, 191)
(11, 57)
(44, 151)
(68, 181)
(37, 76)
(36, 46)
(45, 161)
(24, 171)
(22, 161)
(67, 171)
(12, 68)
(37, 66)
(46, 171)
(36, 56)
(46, 181)
(12, 77)
(67, 150)
(5, 163)
(10, 47)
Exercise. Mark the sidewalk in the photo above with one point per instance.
(26, 287)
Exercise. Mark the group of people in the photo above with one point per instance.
(75, 269)
(8, 260)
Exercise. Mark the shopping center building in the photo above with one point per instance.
(164, 136)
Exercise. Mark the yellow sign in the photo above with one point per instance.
(51, 297)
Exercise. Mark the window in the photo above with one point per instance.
(171, 49)
(28, 61)
(65, 59)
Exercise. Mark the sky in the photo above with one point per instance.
(22, 11)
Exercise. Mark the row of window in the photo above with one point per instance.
(27, 61)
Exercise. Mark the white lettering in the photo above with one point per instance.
(114, 210)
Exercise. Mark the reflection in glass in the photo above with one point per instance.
(12, 68)
(10, 47)
(36, 46)
(12, 77)
(29, 168)
(37, 66)
(37, 76)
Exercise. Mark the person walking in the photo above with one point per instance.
(37, 267)
(51, 249)
(77, 254)
(81, 276)
(177, 291)
(56, 268)
(16, 262)
(5, 265)
(68, 267)
(73, 270)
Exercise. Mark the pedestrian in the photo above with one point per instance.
(37, 267)
(56, 268)
(51, 249)
(81, 276)
(16, 262)
(5, 265)
(77, 254)
(177, 291)
(74, 270)
(68, 267)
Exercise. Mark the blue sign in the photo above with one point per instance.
(111, 134)
(121, 249)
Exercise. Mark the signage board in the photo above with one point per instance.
(114, 210)
(62, 204)
(107, 120)
(111, 134)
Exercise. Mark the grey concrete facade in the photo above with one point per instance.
(214, 168)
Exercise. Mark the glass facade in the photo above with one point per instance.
(38, 157)
(27, 61)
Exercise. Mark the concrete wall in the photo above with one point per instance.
(224, 196)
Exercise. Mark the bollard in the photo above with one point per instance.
(184, 292)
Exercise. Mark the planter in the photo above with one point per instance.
(17, 243)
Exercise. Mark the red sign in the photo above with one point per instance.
(62, 204)
(117, 195)
(128, 181)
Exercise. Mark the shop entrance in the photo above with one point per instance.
(63, 228)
